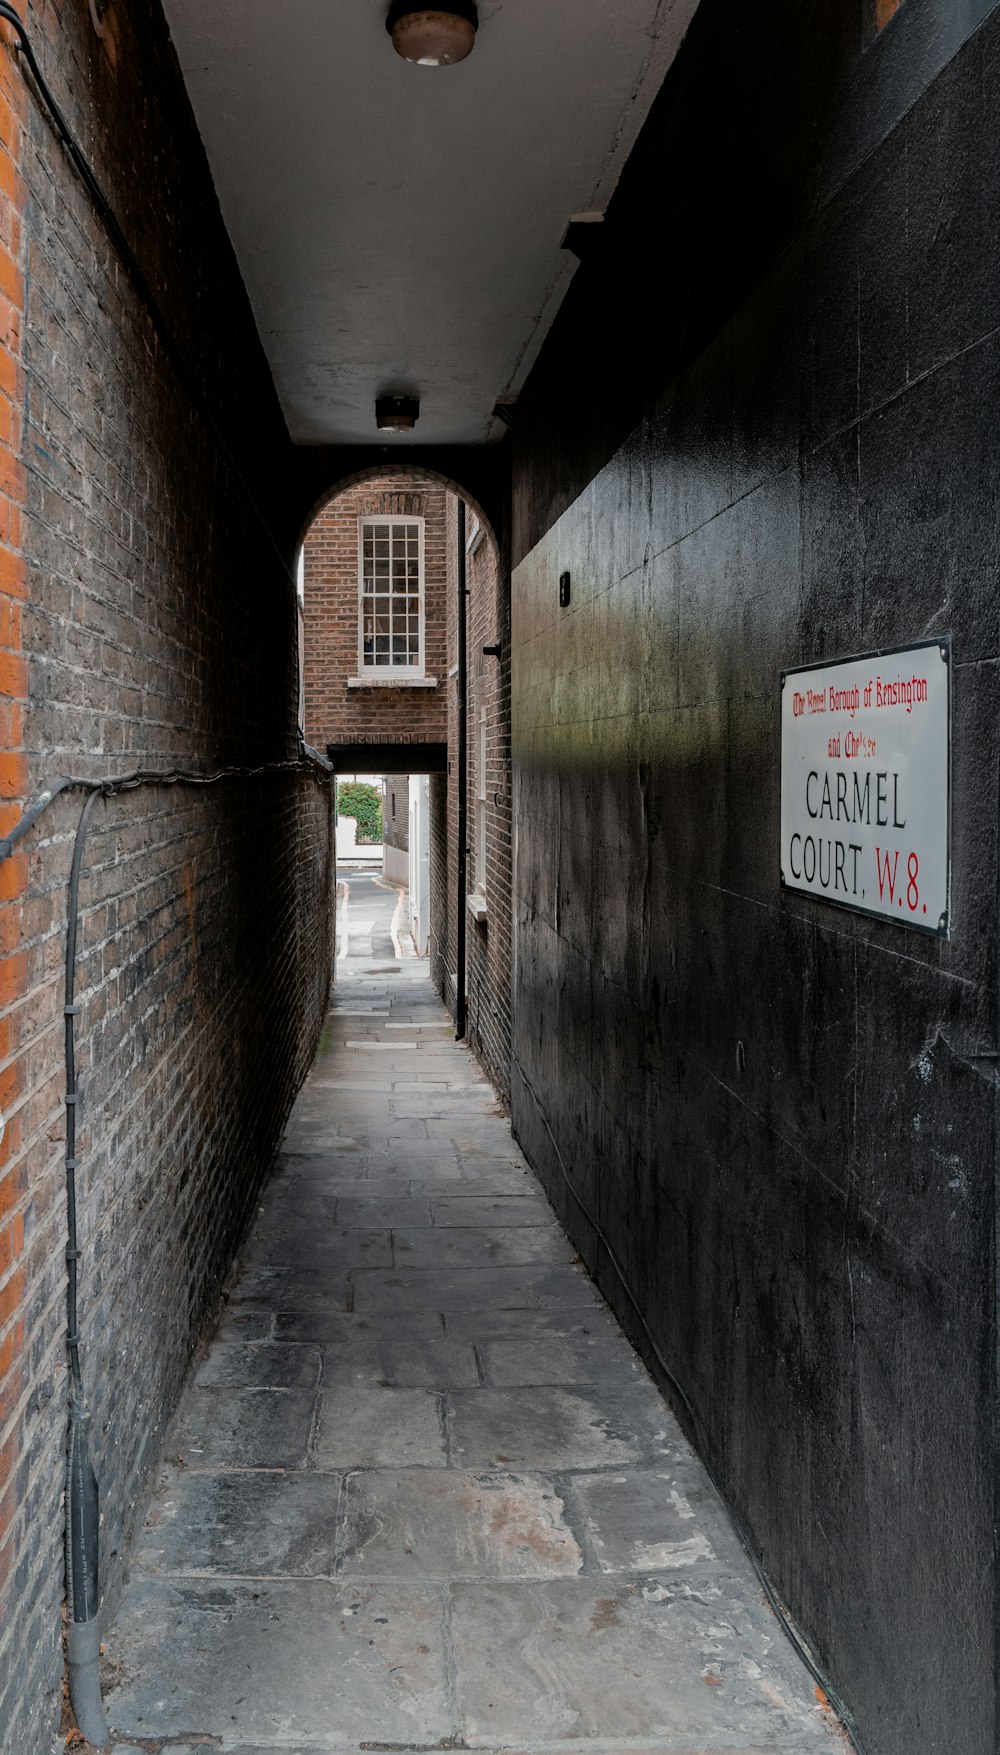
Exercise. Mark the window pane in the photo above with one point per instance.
(390, 583)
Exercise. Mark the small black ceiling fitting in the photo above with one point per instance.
(506, 412)
(584, 232)
(396, 414)
(433, 36)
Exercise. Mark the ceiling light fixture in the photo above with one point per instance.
(435, 36)
(396, 414)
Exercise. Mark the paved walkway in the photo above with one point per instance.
(420, 1494)
(370, 922)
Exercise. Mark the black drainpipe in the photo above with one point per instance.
(463, 777)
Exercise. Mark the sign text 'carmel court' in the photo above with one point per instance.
(865, 812)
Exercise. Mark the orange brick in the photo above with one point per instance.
(12, 1186)
(11, 1390)
(8, 1509)
(14, 781)
(11, 1242)
(11, 278)
(13, 676)
(10, 1347)
(13, 978)
(12, 1295)
(10, 623)
(13, 877)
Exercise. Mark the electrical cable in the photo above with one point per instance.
(462, 742)
(782, 1615)
(82, 1493)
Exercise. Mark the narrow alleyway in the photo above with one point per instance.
(370, 918)
(420, 1493)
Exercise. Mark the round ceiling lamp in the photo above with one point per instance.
(435, 36)
(396, 414)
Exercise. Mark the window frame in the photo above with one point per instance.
(480, 796)
(369, 672)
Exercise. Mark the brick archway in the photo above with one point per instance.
(421, 473)
(480, 474)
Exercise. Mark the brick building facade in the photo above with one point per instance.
(347, 704)
(396, 827)
(488, 900)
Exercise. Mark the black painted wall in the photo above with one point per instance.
(764, 431)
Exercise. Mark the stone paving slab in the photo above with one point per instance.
(550, 1427)
(332, 1326)
(368, 1426)
(451, 1524)
(244, 1524)
(531, 1286)
(503, 1210)
(240, 1323)
(585, 1658)
(300, 1662)
(474, 1247)
(656, 1519)
(403, 1211)
(294, 1287)
(245, 1428)
(521, 1324)
(236, 1365)
(312, 1244)
(437, 1364)
(558, 1359)
(435, 1505)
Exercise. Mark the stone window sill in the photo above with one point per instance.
(392, 682)
(478, 910)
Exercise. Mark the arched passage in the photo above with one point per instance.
(479, 473)
(398, 557)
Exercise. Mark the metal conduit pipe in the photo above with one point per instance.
(82, 1492)
(82, 1496)
(463, 776)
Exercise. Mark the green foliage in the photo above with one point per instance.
(355, 798)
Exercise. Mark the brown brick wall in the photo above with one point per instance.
(488, 944)
(396, 812)
(14, 783)
(147, 619)
(336, 713)
(488, 973)
(440, 938)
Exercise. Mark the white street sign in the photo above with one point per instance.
(865, 783)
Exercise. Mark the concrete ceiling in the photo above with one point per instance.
(398, 227)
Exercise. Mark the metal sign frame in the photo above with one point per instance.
(943, 928)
